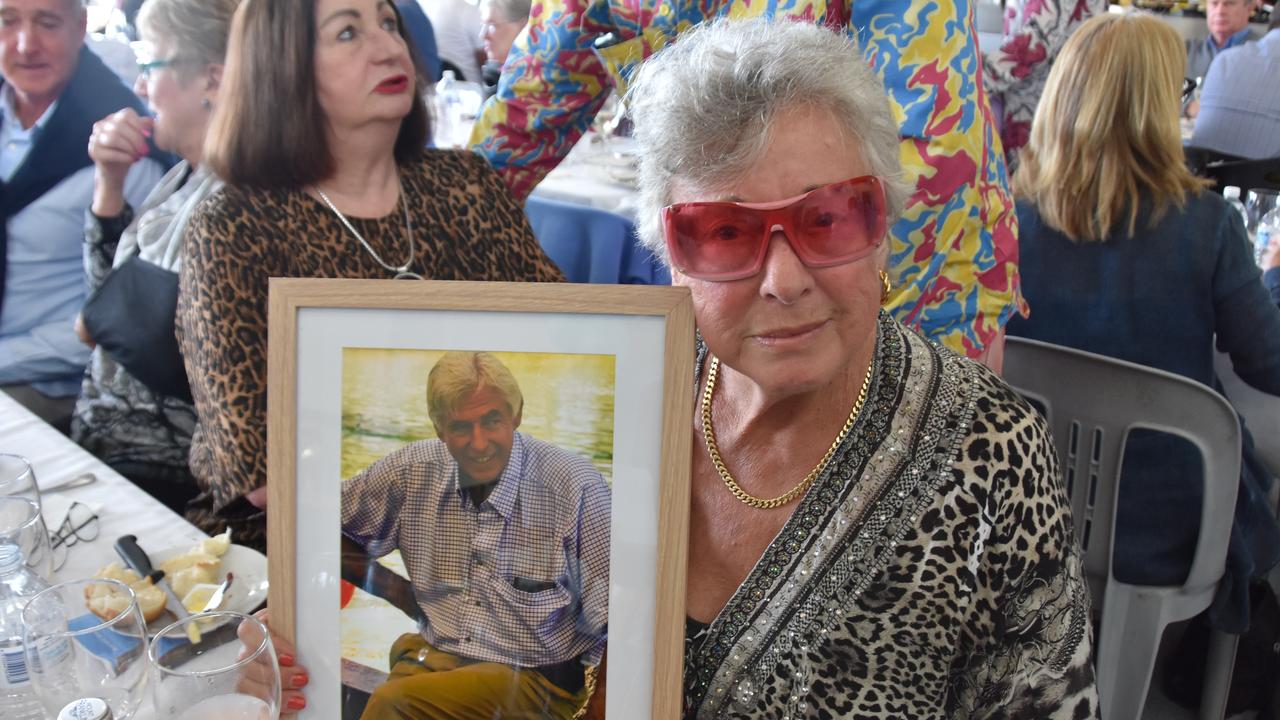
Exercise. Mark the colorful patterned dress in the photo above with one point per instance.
(1015, 73)
(955, 250)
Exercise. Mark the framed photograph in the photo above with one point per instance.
(478, 493)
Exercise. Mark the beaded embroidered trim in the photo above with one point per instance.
(843, 533)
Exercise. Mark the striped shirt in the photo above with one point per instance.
(523, 579)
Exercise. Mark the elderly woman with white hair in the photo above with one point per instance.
(877, 525)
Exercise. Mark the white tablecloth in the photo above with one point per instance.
(121, 506)
(601, 178)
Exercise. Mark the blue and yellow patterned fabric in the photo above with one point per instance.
(955, 250)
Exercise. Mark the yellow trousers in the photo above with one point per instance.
(437, 685)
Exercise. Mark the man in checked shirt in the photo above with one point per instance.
(506, 543)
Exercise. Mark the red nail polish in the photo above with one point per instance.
(300, 680)
(286, 660)
(297, 702)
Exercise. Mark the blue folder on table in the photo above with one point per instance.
(112, 645)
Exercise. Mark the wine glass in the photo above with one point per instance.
(217, 678)
(605, 120)
(76, 653)
(17, 477)
(1260, 203)
(22, 525)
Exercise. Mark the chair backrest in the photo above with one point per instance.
(1261, 411)
(1244, 174)
(592, 245)
(1092, 402)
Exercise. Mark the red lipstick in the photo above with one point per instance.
(393, 85)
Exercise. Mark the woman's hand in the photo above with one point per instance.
(82, 332)
(255, 678)
(1271, 255)
(118, 141)
(257, 497)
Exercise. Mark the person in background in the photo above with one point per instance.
(423, 36)
(353, 193)
(518, 639)
(1014, 74)
(1228, 22)
(502, 21)
(457, 29)
(1127, 254)
(1240, 100)
(858, 547)
(142, 433)
(52, 91)
(954, 252)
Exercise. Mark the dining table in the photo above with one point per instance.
(584, 215)
(122, 508)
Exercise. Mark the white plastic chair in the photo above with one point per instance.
(1091, 402)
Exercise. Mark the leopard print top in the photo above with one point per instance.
(466, 227)
(929, 573)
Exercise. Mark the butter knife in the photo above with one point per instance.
(135, 557)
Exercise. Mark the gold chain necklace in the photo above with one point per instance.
(709, 436)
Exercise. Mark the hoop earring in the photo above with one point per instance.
(885, 287)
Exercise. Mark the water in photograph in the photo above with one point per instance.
(568, 401)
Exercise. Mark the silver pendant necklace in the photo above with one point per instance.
(402, 272)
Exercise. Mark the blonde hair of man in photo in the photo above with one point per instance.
(142, 433)
(457, 375)
(1095, 153)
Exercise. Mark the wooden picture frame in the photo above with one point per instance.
(649, 333)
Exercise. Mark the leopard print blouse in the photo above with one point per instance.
(929, 572)
(466, 227)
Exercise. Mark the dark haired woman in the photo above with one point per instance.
(320, 139)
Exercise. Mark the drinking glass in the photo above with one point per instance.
(217, 678)
(76, 653)
(17, 477)
(22, 525)
(606, 120)
(1260, 203)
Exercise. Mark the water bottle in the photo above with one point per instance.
(86, 709)
(17, 586)
(1231, 194)
(1268, 227)
(446, 106)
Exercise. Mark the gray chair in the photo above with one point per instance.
(1091, 402)
(1261, 411)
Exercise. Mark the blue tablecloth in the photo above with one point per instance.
(593, 246)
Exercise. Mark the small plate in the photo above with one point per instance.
(247, 592)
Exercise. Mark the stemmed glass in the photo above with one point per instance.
(74, 653)
(17, 477)
(1260, 203)
(606, 120)
(22, 525)
(217, 678)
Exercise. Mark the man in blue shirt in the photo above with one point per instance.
(52, 90)
(505, 539)
(1228, 22)
(1240, 102)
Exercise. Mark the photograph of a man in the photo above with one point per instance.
(505, 540)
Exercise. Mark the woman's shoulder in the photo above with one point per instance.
(245, 213)
(985, 411)
(447, 167)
